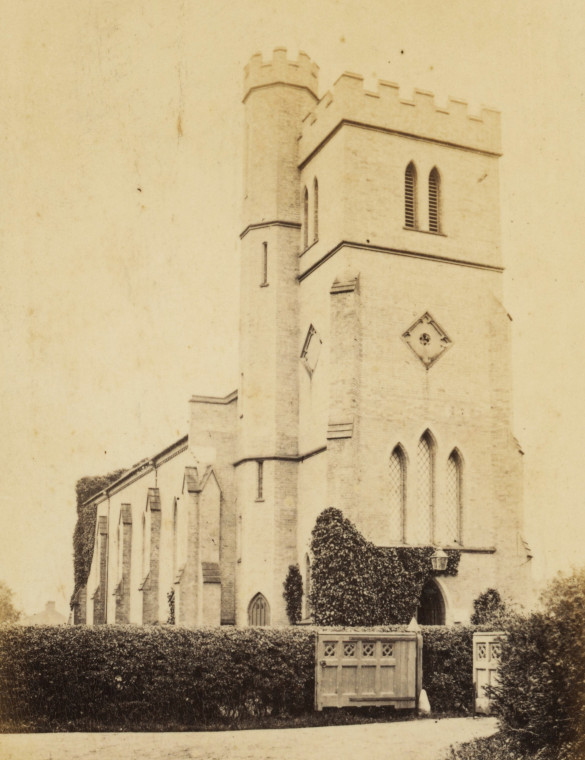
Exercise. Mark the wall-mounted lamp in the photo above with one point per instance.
(439, 560)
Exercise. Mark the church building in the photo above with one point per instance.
(374, 370)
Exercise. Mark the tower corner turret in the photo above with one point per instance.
(300, 73)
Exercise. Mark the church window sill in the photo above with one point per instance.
(425, 232)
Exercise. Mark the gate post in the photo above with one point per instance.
(419, 665)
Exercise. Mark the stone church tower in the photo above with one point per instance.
(374, 368)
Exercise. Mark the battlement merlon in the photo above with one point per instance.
(419, 118)
(300, 73)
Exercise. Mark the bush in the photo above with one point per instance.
(496, 747)
(354, 582)
(293, 594)
(8, 612)
(488, 608)
(540, 697)
(129, 677)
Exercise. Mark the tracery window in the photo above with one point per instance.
(397, 494)
(451, 527)
(425, 466)
(259, 611)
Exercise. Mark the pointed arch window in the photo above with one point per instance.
(315, 210)
(425, 467)
(260, 480)
(410, 219)
(305, 219)
(259, 611)
(264, 282)
(434, 201)
(397, 494)
(451, 528)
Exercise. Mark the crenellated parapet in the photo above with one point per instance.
(300, 73)
(385, 109)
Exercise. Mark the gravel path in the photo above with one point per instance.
(411, 740)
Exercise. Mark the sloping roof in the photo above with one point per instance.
(49, 616)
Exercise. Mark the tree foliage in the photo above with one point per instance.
(83, 535)
(8, 612)
(540, 697)
(356, 583)
(489, 607)
(293, 594)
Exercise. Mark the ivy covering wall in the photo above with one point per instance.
(355, 583)
(83, 535)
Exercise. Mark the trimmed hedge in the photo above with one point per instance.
(124, 676)
(76, 677)
(448, 668)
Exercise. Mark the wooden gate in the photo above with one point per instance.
(359, 669)
(486, 660)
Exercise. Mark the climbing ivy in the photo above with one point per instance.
(171, 601)
(293, 594)
(83, 535)
(354, 582)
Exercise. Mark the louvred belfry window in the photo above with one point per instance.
(434, 200)
(410, 197)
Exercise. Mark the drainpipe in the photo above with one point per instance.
(106, 590)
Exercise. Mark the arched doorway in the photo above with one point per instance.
(431, 609)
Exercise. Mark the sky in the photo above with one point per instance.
(120, 158)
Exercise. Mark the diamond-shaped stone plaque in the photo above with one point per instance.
(427, 339)
(311, 350)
